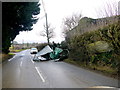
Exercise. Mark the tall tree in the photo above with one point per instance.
(16, 17)
(48, 33)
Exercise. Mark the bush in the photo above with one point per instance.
(98, 47)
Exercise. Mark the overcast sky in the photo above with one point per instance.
(56, 11)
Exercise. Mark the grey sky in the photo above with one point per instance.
(59, 9)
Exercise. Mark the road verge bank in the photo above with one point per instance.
(4, 57)
(104, 70)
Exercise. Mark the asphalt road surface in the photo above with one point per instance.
(22, 72)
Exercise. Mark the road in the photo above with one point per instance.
(21, 72)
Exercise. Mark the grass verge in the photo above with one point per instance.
(104, 70)
(4, 57)
(15, 51)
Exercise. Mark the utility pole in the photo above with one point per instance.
(46, 23)
(47, 28)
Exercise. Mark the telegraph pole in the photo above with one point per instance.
(46, 23)
(47, 28)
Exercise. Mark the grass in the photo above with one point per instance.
(15, 51)
(4, 57)
(104, 70)
(11, 54)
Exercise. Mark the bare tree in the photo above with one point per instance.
(108, 10)
(107, 14)
(70, 22)
(48, 33)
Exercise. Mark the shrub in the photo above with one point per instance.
(98, 47)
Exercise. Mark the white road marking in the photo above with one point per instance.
(43, 80)
(32, 61)
(11, 59)
(21, 64)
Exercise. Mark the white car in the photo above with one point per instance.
(33, 51)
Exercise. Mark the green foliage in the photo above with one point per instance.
(64, 45)
(16, 17)
(101, 47)
(78, 50)
(111, 34)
